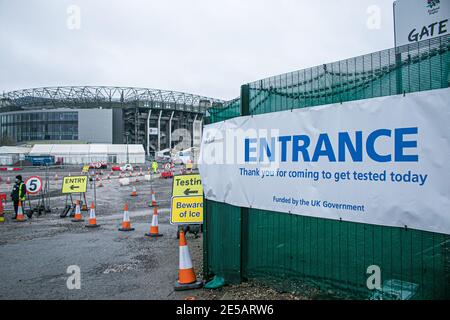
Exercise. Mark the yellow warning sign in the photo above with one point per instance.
(74, 184)
(85, 169)
(187, 210)
(187, 185)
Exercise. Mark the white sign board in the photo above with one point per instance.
(416, 20)
(382, 161)
(124, 181)
(153, 131)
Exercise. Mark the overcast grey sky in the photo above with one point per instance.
(208, 47)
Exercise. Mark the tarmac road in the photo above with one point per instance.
(35, 255)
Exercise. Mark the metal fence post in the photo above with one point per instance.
(206, 273)
(245, 111)
(398, 71)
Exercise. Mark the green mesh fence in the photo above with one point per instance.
(230, 110)
(289, 251)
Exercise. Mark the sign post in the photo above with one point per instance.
(75, 184)
(33, 186)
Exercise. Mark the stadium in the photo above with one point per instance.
(100, 114)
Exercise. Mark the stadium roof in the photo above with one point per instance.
(103, 96)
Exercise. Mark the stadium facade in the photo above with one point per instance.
(101, 115)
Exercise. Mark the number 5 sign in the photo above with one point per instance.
(33, 184)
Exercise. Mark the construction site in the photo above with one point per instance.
(114, 264)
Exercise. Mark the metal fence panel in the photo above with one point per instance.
(287, 250)
(223, 231)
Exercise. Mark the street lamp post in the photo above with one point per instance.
(128, 160)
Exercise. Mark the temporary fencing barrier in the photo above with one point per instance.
(289, 251)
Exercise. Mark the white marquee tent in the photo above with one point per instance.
(86, 153)
(10, 155)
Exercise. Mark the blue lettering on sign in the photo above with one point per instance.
(264, 146)
(404, 142)
(248, 150)
(324, 141)
(303, 148)
(370, 145)
(400, 145)
(345, 143)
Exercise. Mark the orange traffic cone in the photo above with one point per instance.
(134, 192)
(186, 275)
(126, 224)
(153, 204)
(20, 217)
(8, 180)
(154, 232)
(92, 218)
(78, 217)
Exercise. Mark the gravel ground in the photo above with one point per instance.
(114, 265)
(252, 290)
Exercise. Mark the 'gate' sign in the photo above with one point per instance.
(417, 20)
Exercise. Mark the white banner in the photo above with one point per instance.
(417, 20)
(382, 161)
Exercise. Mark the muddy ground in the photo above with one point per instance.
(35, 255)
